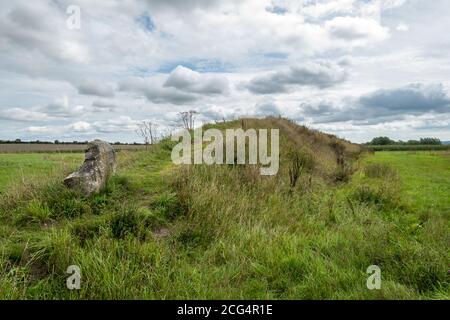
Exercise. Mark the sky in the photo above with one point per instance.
(86, 69)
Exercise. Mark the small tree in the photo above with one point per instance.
(147, 130)
(188, 119)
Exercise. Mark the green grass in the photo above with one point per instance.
(25, 165)
(425, 178)
(164, 232)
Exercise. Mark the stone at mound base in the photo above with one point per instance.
(99, 164)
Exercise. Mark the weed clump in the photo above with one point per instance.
(299, 163)
(135, 222)
(35, 212)
(379, 170)
(85, 230)
(167, 205)
(125, 223)
(384, 196)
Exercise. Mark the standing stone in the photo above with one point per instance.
(99, 164)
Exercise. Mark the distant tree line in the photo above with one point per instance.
(384, 141)
(59, 142)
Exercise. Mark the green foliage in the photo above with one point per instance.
(381, 141)
(37, 212)
(385, 141)
(430, 141)
(406, 147)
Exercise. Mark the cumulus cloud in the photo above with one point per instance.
(321, 75)
(121, 123)
(185, 79)
(355, 28)
(80, 126)
(329, 8)
(61, 108)
(267, 108)
(102, 105)
(383, 105)
(181, 86)
(41, 28)
(156, 92)
(412, 98)
(20, 114)
(95, 88)
(40, 129)
(322, 108)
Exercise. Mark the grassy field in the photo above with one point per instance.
(51, 147)
(425, 177)
(160, 231)
(16, 167)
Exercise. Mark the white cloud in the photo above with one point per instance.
(268, 108)
(185, 79)
(181, 86)
(382, 105)
(402, 27)
(318, 74)
(122, 123)
(40, 130)
(20, 114)
(80, 126)
(356, 29)
(96, 88)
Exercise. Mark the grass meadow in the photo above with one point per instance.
(16, 167)
(160, 231)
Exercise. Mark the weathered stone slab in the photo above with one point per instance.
(98, 166)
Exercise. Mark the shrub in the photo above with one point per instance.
(167, 144)
(299, 163)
